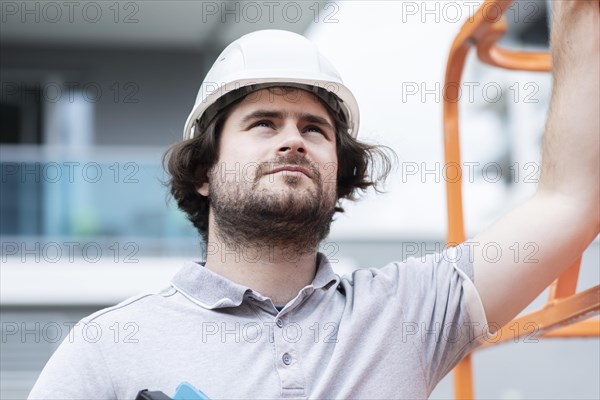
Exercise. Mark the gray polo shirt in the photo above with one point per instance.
(385, 333)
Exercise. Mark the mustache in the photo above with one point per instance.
(267, 167)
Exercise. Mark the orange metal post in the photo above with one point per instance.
(561, 316)
(587, 328)
(566, 284)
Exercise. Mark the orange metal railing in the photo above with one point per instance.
(564, 314)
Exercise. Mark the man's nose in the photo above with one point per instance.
(292, 141)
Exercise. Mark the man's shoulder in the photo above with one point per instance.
(415, 271)
(146, 305)
(143, 305)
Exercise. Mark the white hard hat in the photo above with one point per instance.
(269, 58)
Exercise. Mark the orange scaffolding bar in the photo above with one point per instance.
(563, 314)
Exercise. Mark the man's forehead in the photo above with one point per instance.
(273, 99)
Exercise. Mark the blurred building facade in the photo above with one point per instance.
(91, 98)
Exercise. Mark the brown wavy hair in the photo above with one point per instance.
(360, 166)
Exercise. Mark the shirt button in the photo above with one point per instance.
(287, 359)
(279, 323)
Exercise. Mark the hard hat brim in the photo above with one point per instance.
(227, 93)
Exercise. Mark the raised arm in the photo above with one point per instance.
(563, 216)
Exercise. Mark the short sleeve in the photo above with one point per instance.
(441, 309)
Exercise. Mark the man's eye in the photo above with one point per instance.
(265, 124)
(313, 128)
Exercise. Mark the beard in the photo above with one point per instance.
(257, 212)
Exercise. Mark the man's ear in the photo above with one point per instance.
(203, 189)
(201, 175)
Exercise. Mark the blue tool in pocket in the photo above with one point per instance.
(186, 391)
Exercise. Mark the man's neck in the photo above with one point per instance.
(278, 272)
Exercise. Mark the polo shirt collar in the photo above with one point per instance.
(211, 290)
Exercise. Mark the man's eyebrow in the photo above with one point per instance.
(262, 114)
(315, 119)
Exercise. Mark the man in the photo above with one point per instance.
(269, 151)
